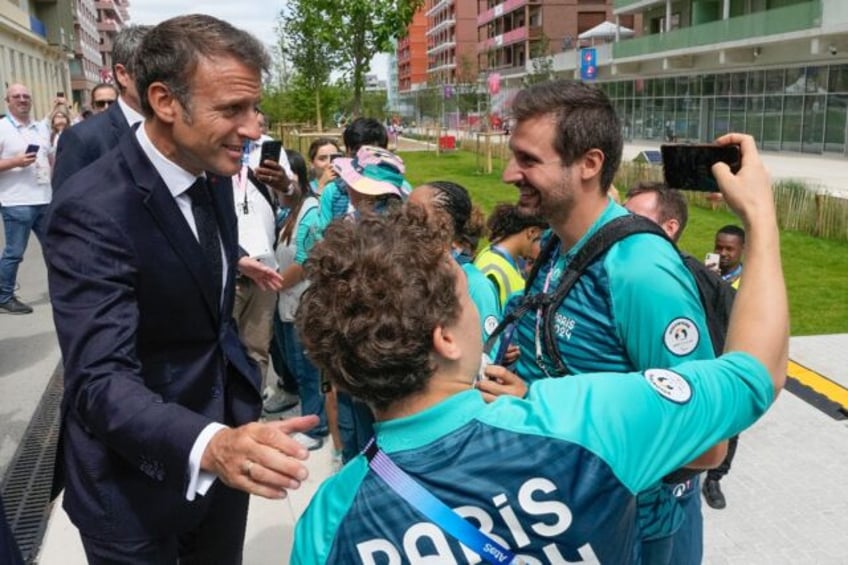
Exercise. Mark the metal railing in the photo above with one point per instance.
(770, 22)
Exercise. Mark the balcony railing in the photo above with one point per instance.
(503, 40)
(440, 5)
(442, 67)
(441, 47)
(445, 24)
(499, 10)
(771, 22)
(108, 25)
(109, 7)
(631, 6)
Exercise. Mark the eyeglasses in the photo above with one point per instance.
(20, 96)
(102, 103)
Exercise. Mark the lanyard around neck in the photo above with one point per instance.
(434, 509)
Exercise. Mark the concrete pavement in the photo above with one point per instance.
(29, 353)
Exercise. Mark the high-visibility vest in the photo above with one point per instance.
(501, 271)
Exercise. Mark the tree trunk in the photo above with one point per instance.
(318, 120)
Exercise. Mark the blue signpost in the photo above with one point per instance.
(588, 63)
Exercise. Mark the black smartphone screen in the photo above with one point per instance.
(270, 151)
(689, 167)
(31, 148)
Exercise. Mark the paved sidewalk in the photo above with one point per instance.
(29, 354)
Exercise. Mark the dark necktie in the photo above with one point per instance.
(207, 229)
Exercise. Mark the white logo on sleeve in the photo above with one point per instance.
(490, 324)
(669, 384)
(681, 337)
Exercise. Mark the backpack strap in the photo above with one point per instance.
(263, 189)
(528, 301)
(594, 248)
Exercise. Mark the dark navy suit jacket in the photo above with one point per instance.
(87, 141)
(149, 358)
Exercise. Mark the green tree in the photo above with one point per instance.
(356, 30)
(296, 101)
(374, 104)
(467, 85)
(312, 56)
(542, 63)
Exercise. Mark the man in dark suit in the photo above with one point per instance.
(88, 140)
(160, 446)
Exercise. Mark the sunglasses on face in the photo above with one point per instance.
(102, 103)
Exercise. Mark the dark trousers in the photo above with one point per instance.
(285, 380)
(218, 540)
(688, 542)
(720, 471)
(9, 552)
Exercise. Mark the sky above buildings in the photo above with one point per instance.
(259, 18)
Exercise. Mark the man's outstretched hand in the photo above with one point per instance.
(260, 457)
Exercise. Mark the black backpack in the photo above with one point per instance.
(716, 295)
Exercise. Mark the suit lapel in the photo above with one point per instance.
(162, 206)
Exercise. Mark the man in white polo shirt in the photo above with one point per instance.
(24, 188)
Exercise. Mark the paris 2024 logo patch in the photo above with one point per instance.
(681, 336)
(671, 386)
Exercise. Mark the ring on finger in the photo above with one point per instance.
(248, 465)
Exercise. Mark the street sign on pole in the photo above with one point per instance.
(588, 63)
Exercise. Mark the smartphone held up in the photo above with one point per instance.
(689, 166)
(270, 151)
(711, 261)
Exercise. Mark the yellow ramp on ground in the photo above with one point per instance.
(819, 383)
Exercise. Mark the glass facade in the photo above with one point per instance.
(802, 109)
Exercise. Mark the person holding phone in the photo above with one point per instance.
(321, 153)
(636, 307)
(730, 246)
(258, 280)
(24, 188)
(59, 120)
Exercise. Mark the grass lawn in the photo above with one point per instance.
(816, 270)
